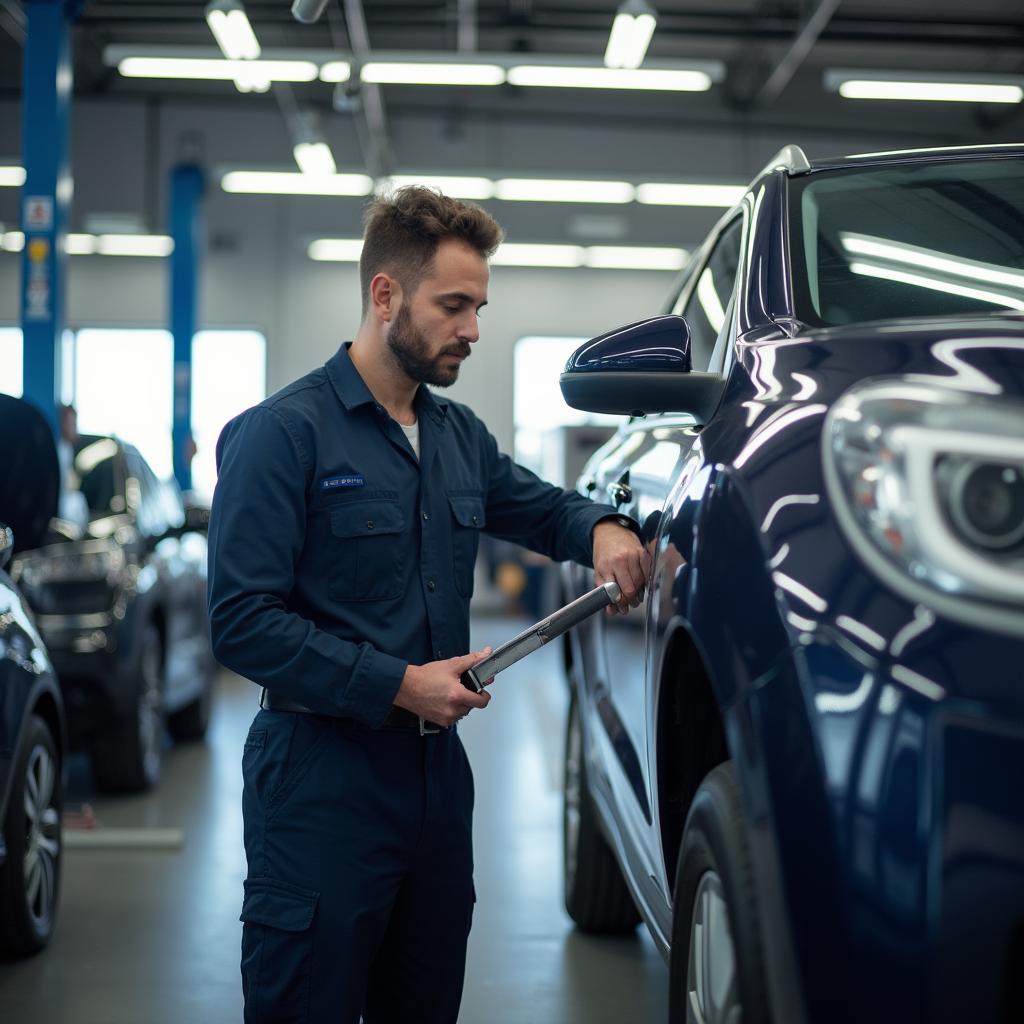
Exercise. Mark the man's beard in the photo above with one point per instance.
(411, 350)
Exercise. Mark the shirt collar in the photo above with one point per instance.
(353, 392)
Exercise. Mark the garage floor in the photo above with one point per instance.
(152, 936)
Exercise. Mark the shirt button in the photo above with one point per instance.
(426, 516)
(431, 585)
(476, 520)
(369, 524)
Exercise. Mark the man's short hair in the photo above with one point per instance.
(401, 233)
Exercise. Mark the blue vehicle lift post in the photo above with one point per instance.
(187, 187)
(46, 196)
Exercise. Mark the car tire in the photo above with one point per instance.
(190, 723)
(596, 896)
(126, 758)
(716, 969)
(30, 876)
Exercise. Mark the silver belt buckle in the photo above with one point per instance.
(428, 728)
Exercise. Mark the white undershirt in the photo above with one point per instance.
(412, 435)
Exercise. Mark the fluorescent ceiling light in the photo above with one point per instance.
(887, 273)
(513, 254)
(80, 245)
(288, 183)
(456, 187)
(251, 79)
(630, 257)
(518, 254)
(315, 158)
(12, 241)
(218, 70)
(336, 71)
(630, 35)
(231, 29)
(657, 79)
(945, 92)
(669, 194)
(339, 250)
(12, 176)
(929, 86)
(402, 73)
(561, 190)
(134, 245)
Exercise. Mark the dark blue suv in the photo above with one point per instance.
(802, 761)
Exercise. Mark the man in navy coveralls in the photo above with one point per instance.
(343, 537)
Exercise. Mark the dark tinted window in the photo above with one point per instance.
(705, 310)
(97, 474)
(908, 241)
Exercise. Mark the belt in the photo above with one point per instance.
(398, 718)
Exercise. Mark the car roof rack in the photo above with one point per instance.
(791, 159)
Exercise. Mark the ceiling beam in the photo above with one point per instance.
(803, 42)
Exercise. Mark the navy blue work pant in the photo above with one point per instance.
(359, 895)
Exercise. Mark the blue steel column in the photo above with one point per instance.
(46, 195)
(187, 186)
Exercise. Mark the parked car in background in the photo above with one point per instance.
(800, 762)
(32, 732)
(120, 599)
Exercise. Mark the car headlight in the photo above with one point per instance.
(63, 563)
(928, 484)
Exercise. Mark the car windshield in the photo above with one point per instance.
(95, 476)
(915, 240)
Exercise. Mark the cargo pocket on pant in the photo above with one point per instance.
(277, 951)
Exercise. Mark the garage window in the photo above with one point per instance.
(540, 413)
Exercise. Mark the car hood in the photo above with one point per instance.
(983, 354)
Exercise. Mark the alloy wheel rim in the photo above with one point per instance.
(712, 982)
(573, 784)
(42, 835)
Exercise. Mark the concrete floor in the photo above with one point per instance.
(152, 936)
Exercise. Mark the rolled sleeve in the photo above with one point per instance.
(257, 533)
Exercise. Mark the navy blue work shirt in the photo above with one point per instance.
(337, 558)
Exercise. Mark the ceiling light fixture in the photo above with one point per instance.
(408, 73)
(653, 79)
(14, 177)
(560, 190)
(933, 87)
(453, 186)
(630, 35)
(230, 27)
(635, 257)
(214, 69)
(308, 11)
(336, 71)
(134, 245)
(288, 183)
(655, 193)
(12, 241)
(311, 151)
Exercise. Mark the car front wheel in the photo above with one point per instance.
(716, 972)
(596, 896)
(30, 877)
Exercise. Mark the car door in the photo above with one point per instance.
(637, 477)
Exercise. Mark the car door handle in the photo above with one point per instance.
(619, 493)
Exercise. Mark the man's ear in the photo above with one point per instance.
(385, 296)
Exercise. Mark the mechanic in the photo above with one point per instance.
(343, 536)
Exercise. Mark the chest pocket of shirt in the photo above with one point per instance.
(366, 560)
(468, 521)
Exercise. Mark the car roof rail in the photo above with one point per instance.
(791, 159)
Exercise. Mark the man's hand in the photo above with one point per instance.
(619, 556)
(435, 692)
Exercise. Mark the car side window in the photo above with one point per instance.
(150, 513)
(707, 306)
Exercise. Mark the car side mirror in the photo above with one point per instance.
(641, 368)
(6, 545)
